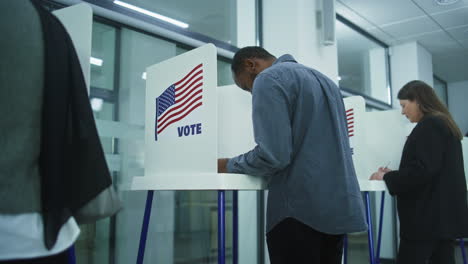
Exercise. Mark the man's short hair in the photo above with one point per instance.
(248, 53)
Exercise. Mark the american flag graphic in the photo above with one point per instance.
(350, 121)
(179, 100)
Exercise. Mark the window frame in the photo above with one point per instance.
(437, 78)
(370, 101)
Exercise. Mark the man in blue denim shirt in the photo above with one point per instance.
(303, 150)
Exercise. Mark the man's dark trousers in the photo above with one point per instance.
(291, 241)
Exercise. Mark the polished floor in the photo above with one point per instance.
(200, 248)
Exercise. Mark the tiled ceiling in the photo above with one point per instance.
(442, 30)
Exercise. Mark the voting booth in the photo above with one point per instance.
(376, 139)
(78, 21)
(190, 123)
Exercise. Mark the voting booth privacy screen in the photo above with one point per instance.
(181, 114)
(78, 21)
(186, 114)
(376, 139)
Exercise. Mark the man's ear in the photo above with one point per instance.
(250, 65)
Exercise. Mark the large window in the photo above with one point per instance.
(213, 18)
(362, 63)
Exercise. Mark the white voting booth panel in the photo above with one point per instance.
(235, 121)
(182, 120)
(355, 108)
(377, 140)
(78, 21)
(235, 131)
(385, 136)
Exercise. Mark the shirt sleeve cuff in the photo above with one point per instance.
(389, 181)
(230, 166)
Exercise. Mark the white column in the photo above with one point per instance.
(409, 61)
(292, 27)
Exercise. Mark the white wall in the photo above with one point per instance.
(291, 27)
(457, 97)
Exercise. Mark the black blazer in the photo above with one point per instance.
(430, 185)
(72, 163)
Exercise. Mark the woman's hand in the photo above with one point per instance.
(385, 170)
(378, 175)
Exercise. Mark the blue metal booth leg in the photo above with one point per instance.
(345, 249)
(379, 237)
(462, 247)
(370, 235)
(144, 227)
(235, 227)
(221, 228)
(71, 255)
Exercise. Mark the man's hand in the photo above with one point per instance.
(222, 165)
